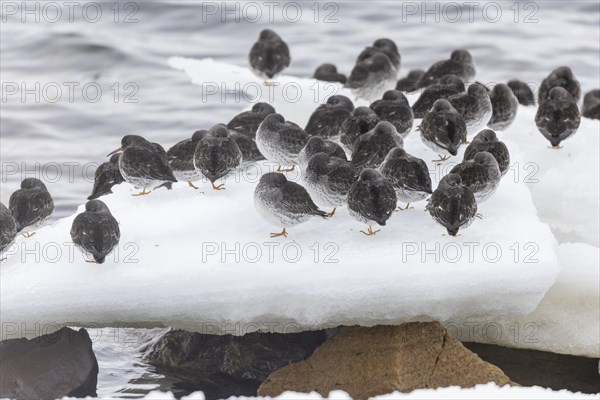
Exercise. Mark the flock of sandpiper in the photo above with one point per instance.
(348, 156)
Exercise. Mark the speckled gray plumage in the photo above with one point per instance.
(448, 86)
(363, 120)
(372, 198)
(562, 77)
(328, 179)
(95, 230)
(327, 119)
(371, 148)
(443, 129)
(329, 73)
(371, 77)
(280, 140)
(486, 140)
(522, 91)
(284, 203)
(385, 46)
(452, 204)
(247, 122)
(8, 228)
(558, 117)
(144, 164)
(31, 204)
(317, 145)
(480, 174)
(475, 107)
(269, 55)
(460, 64)
(217, 154)
(410, 82)
(247, 145)
(504, 107)
(394, 108)
(181, 157)
(408, 174)
(106, 176)
(591, 104)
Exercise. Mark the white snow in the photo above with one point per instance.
(197, 261)
(480, 392)
(488, 391)
(187, 259)
(565, 183)
(567, 320)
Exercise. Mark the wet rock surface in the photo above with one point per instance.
(226, 365)
(48, 367)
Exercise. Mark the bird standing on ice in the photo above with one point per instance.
(217, 155)
(522, 92)
(372, 77)
(460, 64)
(317, 145)
(558, 117)
(143, 164)
(31, 205)
(409, 175)
(486, 140)
(96, 231)
(385, 46)
(372, 199)
(280, 141)
(394, 108)
(326, 120)
(181, 159)
(363, 119)
(247, 122)
(481, 175)
(504, 107)
(8, 228)
(328, 180)
(591, 104)
(452, 204)
(247, 145)
(562, 77)
(283, 203)
(448, 86)
(107, 175)
(443, 130)
(475, 107)
(371, 148)
(269, 55)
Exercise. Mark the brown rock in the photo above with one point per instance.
(372, 361)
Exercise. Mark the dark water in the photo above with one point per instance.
(116, 65)
(100, 75)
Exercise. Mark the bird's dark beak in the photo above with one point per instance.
(120, 149)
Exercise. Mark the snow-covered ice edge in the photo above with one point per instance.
(488, 391)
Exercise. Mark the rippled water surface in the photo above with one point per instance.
(64, 140)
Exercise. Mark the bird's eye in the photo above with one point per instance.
(260, 58)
